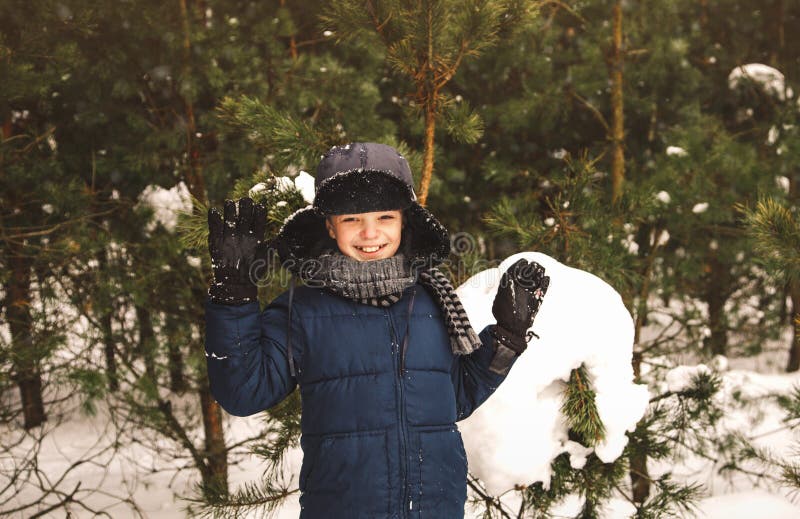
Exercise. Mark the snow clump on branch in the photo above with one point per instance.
(513, 438)
(769, 78)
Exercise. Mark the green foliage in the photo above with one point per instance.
(251, 500)
(192, 227)
(462, 123)
(595, 482)
(91, 386)
(775, 231)
(449, 29)
(580, 409)
(274, 133)
(791, 404)
(568, 217)
(670, 500)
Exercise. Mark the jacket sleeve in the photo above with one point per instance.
(248, 367)
(473, 381)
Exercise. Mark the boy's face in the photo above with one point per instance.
(367, 236)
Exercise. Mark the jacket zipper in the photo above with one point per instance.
(402, 412)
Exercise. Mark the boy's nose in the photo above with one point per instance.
(369, 230)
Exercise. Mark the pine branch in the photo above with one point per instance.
(289, 141)
(192, 227)
(283, 433)
(492, 503)
(264, 499)
(462, 123)
(670, 500)
(580, 408)
(775, 230)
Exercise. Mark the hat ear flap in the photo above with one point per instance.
(428, 240)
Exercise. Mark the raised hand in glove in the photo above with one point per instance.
(517, 302)
(234, 243)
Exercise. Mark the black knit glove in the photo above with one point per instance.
(234, 244)
(517, 302)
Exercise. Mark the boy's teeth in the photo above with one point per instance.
(369, 249)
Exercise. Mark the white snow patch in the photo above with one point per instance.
(630, 244)
(701, 207)
(747, 505)
(663, 197)
(305, 184)
(680, 378)
(770, 79)
(772, 135)
(676, 151)
(166, 204)
(661, 240)
(284, 183)
(256, 189)
(782, 183)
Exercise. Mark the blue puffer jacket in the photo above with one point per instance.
(378, 424)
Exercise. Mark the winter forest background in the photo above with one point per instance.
(653, 143)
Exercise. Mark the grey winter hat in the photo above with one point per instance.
(361, 177)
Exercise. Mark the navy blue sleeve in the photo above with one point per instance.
(472, 379)
(248, 367)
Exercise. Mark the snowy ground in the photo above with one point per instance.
(158, 494)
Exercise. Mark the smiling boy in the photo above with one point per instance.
(376, 339)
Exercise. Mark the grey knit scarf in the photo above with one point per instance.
(381, 283)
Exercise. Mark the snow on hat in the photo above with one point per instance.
(361, 178)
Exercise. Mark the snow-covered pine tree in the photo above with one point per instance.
(572, 221)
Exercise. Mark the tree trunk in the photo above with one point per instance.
(717, 292)
(640, 477)
(106, 317)
(25, 357)
(193, 174)
(775, 25)
(216, 479)
(177, 379)
(794, 350)
(640, 480)
(617, 112)
(217, 483)
(427, 160)
(112, 375)
(147, 343)
(427, 85)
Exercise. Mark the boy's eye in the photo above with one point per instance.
(387, 217)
